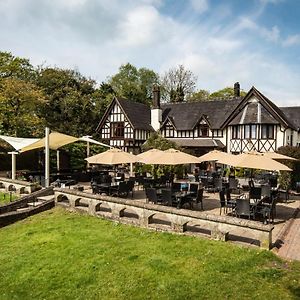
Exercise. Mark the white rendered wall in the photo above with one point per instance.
(156, 117)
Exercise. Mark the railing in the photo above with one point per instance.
(166, 218)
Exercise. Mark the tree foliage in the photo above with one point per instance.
(71, 98)
(200, 95)
(177, 84)
(133, 83)
(16, 67)
(156, 141)
(225, 94)
(18, 102)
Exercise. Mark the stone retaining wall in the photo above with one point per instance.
(171, 219)
(20, 186)
(21, 203)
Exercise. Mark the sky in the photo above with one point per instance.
(254, 42)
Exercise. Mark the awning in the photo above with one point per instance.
(199, 143)
(18, 143)
(56, 140)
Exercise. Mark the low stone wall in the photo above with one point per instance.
(14, 216)
(19, 186)
(21, 203)
(172, 219)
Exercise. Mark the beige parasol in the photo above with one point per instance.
(173, 157)
(278, 156)
(254, 161)
(112, 157)
(148, 156)
(214, 155)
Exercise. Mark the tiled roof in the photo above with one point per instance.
(186, 115)
(293, 115)
(214, 143)
(139, 114)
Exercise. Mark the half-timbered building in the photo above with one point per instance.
(237, 125)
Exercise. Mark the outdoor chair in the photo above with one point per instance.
(230, 203)
(222, 201)
(243, 208)
(152, 196)
(130, 186)
(199, 198)
(167, 198)
(266, 191)
(194, 188)
(120, 190)
(233, 185)
(176, 187)
(217, 184)
(255, 193)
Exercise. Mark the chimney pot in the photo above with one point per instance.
(236, 89)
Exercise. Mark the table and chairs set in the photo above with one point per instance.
(180, 195)
(259, 203)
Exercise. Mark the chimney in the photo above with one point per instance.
(156, 96)
(236, 89)
(156, 112)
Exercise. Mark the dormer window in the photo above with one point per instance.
(203, 130)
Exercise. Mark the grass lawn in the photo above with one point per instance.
(63, 255)
(5, 198)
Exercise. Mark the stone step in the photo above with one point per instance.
(45, 198)
(36, 203)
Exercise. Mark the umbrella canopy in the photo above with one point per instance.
(214, 155)
(56, 140)
(275, 155)
(173, 157)
(148, 156)
(112, 157)
(254, 161)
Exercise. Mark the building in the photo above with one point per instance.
(238, 125)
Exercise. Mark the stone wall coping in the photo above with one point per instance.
(21, 182)
(172, 210)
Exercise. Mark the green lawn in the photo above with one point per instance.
(63, 255)
(5, 198)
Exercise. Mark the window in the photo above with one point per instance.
(235, 132)
(267, 131)
(218, 133)
(250, 131)
(203, 130)
(117, 130)
(169, 130)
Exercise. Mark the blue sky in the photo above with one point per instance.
(255, 42)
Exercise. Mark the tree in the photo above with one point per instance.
(71, 98)
(225, 94)
(156, 141)
(16, 67)
(200, 95)
(134, 84)
(19, 101)
(177, 84)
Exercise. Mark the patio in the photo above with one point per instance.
(211, 204)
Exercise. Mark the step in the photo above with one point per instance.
(45, 198)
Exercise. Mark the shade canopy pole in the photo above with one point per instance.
(13, 164)
(57, 161)
(87, 152)
(131, 168)
(47, 157)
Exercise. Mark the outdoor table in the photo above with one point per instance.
(107, 187)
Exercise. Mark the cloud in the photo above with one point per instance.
(97, 36)
(200, 6)
(291, 40)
